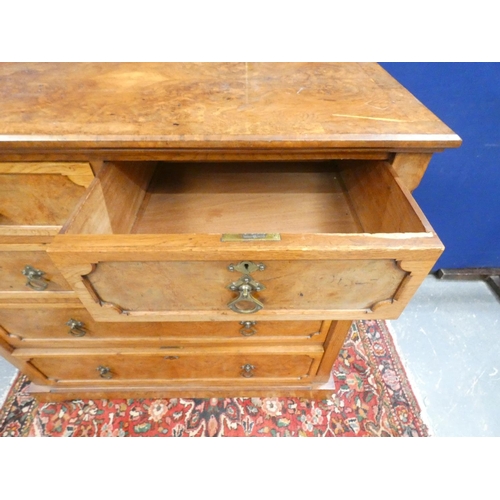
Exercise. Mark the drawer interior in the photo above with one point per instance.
(275, 197)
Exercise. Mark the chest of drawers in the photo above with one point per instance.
(204, 228)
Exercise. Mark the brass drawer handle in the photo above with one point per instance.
(245, 303)
(76, 328)
(248, 328)
(171, 357)
(247, 370)
(35, 278)
(104, 372)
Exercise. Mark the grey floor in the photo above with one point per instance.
(7, 374)
(449, 341)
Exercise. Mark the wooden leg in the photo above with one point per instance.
(334, 342)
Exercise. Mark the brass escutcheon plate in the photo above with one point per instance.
(246, 267)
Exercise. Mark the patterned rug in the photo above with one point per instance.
(371, 397)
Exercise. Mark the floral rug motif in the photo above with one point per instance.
(371, 397)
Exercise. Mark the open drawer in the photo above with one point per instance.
(282, 240)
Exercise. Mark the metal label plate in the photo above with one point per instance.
(251, 237)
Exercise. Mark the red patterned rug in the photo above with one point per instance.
(371, 397)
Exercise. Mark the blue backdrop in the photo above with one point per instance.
(460, 192)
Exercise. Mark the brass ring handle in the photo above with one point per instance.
(104, 372)
(35, 278)
(245, 303)
(247, 370)
(247, 328)
(76, 328)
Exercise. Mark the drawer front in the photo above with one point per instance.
(291, 289)
(20, 271)
(246, 367)
(156, 286)
(34, 194)
(34, 325)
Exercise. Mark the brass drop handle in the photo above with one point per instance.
(248, 328)
(245, 303)
(247, 370)
(35, 278)
(76, 328)
(104, 372)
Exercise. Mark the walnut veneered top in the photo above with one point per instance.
(53, 106)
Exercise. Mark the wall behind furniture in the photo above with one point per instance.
(460, 192)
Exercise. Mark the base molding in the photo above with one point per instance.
(48, 394)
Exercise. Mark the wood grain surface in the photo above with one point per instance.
(246, 198)
(38, 199)
(12, 264)
(209, 364)
(152, 287)
(38, 325)
(53, 106)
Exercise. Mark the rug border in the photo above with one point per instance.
(406, 384)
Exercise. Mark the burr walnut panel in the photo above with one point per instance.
(211, 105)
(41, 194)
(150, 288)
